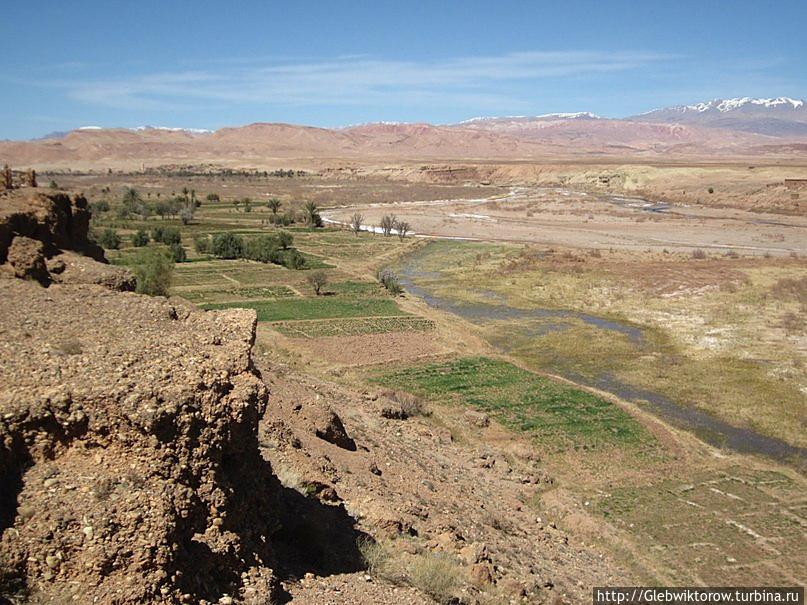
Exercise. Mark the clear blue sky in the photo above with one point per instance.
(209, 64)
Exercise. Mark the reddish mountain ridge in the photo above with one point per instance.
(568, 135)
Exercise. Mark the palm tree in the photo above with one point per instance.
(311, 213)
(273, 205)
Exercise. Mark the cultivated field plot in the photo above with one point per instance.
(556, 415)
(738, 526)
(314, 308)
(352, 327)
(213, 295)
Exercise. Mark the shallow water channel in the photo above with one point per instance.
(712, 430)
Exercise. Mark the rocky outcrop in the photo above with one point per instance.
(40, 233)
(129, 462)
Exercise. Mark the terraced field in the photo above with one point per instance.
(555, 414)
(352, 327)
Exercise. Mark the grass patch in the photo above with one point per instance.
(314, 308)
(556, 414)
(353, 327)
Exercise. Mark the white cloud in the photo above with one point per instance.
(354, 80)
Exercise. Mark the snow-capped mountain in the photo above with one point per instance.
(780, 116)
(484, 120)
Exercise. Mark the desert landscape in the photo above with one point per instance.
(445, 360)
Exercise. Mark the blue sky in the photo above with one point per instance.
(209, 64)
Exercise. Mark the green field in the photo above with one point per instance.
(324, 307)
(353, 327)
(555, 414)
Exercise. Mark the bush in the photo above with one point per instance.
(154, 270)
(698, 254)
(202, 244)
(140, 238)
(285, 239)
(227, 245)
(109, 239)
(436, 574)
(294, 260)
(166, 235)
(390, 281)
(375, 556)
(99, 207)
(178, 252)
(213, 197)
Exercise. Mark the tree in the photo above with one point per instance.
(312, 216)
(227, 245)
(388, 224)
(285, 239)
(236, 203)
(202, 244)
(178, 252)
(186, 215)
(356, 222)
(318, 280)
(161, 209)
(154, 269)
(166, 235)
(403, 228)
(140, 238)
(274, 205)
(133, 204)
(247, 205)
(109, 239)
(262, 248)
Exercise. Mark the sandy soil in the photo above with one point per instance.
(564, 217)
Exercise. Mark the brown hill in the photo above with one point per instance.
(259, 144)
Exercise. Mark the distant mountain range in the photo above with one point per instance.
(722, 127)
(779, 117)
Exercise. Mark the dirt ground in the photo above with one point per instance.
(562, 217)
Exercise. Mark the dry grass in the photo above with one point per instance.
(436, 574)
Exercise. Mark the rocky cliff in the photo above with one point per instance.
(129, 464)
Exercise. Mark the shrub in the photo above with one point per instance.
(213, 197)
(227, 245)
(698, 254)
(201, 244)
(375, 556)
(318, 280)
(109, 239)
(178, 252)
(285, 239)
(186, 215)
(166, 235)
(436, 574)
(711, 190)
(390, 281)
(294, 260)
(140, 238)
(410, 405)
(99, 207)
(154, 270)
